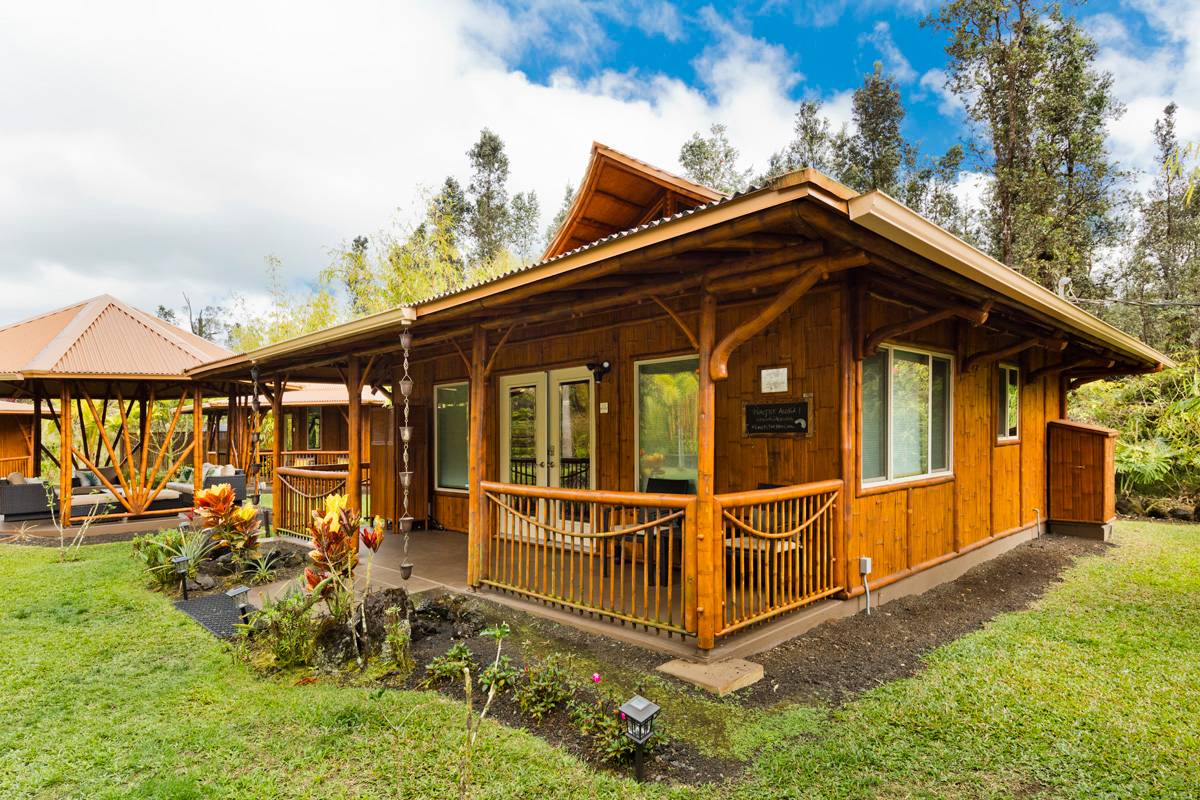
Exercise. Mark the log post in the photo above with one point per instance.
(198, 448)
(277, 423)
(353, 423)
(476, 533)
(66, 434)
(709, 581)
(35, 467)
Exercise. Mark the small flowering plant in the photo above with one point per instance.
(231, 525)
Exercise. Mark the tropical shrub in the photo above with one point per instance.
(284, 632)
(1158, 417)
(231, 525)
(542, 688)
(155, 551)
(334, 556)
(501, 674)
(450, 665)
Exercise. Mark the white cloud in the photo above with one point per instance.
(147, 148)
(893, 59)
(949, 104)
(661, 19)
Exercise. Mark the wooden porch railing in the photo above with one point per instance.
(21, 464)
(619, 555)
(303, 490)
(779, 550)
(300, 458)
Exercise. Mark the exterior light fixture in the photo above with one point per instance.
(241, 596)
(181, 569)
(599, 370)
(639, 714)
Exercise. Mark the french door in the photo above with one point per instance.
(548, 428)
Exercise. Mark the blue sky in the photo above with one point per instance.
(149, 149)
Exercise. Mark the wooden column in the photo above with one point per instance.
(277, 423)
(853, 295)
(709, 581)
(64, 455)
(36, 466)
(197, 443)
(353, 426)
(477, 515)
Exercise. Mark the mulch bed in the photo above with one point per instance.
(837, 660)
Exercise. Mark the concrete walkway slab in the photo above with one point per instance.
(718, 677)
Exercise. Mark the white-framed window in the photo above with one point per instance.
(666, 421)
(907, 415)
(450, 436)
(1008, 404)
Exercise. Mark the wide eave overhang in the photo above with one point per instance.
(875, 212)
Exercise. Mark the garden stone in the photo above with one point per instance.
(1125, 505)
(376, 606)
(334, 646)
(206, 582)
(1196, 513)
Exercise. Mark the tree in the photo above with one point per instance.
(1026, 75)
(1159, 274)
(210, 322)
(488, 213)
(874, 155)
(813, 144)
(288, 314)
(712, 161)
(561, 215)
(524, 216)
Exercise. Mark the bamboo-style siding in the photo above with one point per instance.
(303, 490)
(619, 555)
(778, 550)
(21, 464)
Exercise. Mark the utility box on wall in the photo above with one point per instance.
(1081, 478)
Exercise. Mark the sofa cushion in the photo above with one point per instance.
(16, 479)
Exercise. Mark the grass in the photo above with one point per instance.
(108, 692)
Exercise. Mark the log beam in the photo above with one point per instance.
(787, 271)
(974, 315)
(1052, 370)
(718, 364)
(66, 434)
(277, 423)
(683, 326)
(197, 443)
(986, 357)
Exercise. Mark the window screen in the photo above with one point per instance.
(906, 415)
(450, 434)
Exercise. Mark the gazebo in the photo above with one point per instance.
(112, 380)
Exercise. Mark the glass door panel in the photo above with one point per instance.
(523, 429)
(571, 457)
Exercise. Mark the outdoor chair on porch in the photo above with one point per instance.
(659, 547)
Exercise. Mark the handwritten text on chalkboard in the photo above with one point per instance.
(778, 419)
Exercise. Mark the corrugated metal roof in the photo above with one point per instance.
(102, 336)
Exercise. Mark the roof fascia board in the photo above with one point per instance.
(891, 219)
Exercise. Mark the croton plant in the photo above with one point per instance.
(232, 525)
(336, 535)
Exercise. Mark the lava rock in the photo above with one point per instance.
(335, 645)
(285, 557)
(223, 565)
(206, 582)
(1181, 512)
(376, 606)
(1130, 507)
(1159, 509)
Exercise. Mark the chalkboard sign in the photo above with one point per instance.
(777, 419)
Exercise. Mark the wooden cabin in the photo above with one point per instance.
(698, 414)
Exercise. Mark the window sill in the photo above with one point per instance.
(906, 483)
(462, 492)
(1006, 442)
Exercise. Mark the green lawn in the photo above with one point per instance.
(1095, 692)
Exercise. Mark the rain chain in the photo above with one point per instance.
(255, 436)
(406, 385)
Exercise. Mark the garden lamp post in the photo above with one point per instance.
(240, 595)
(639, 714)
(181, 569)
